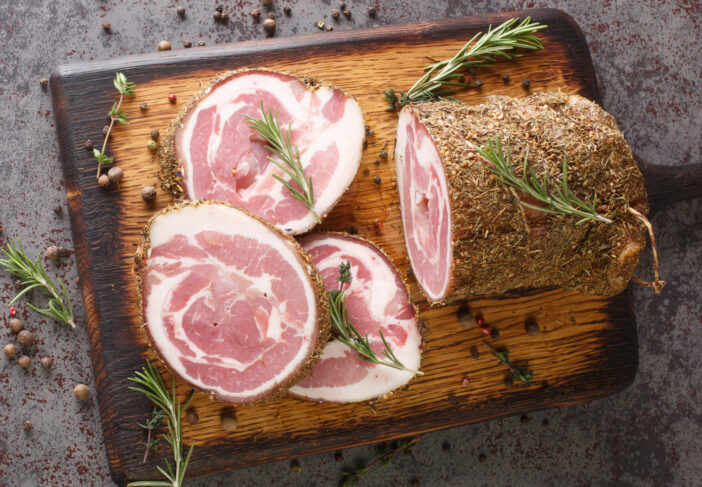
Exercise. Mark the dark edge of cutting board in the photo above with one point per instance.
(76, 112)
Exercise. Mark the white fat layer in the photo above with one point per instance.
(189, 221)
(427, 157)
(348, 133)
(378, 292)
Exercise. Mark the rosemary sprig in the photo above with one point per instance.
(125, 88)
(32, 275)
(517, 372)
(286, 156)
(152, 441)
(150, 383)
(384, 456)
(349, 335)
(561, 201)
(443, 77)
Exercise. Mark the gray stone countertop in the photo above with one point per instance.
(648, 59)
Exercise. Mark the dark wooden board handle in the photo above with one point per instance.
(669, 184)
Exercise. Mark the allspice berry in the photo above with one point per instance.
(25, 338)
(46, 362)
(104, 181)
(269, 25)
(81, 391)
(229, 421)
(164, 46)
(10, 350)
(115, 174)
(44, 82)
(24, 361)
(53, 253)
(148, 194)
(152, 145)
(181, 11)
(27, 426)
(16, 325)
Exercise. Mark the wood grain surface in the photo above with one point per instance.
(587, 346)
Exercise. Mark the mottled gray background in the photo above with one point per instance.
(648, 61)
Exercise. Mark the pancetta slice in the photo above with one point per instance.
(230, 304)
(213, 154)
(377, 299)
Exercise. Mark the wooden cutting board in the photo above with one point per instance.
(587, 347)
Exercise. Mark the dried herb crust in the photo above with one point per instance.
(318, 286)
(169, 176)
(498, 244)
(420, 322)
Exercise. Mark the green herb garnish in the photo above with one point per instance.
(125, 88)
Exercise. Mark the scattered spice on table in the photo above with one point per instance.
(27, 426)
(46, 362)
(10, 350)
(372, 11)
(287, 10)
(505, 78)
(335, 14)
(181, 11)
(385, 454)
(16, 325)
(106, 26)
(44, 82)
(143, 106)
(256, 13)
(200, 43)
(164, 46)
(295, 466)
(187, 44)
(81, 392)
(269, 26)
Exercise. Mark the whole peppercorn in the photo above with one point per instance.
(187, 44)
(509, 382)
(200, 43)
(546, 422)
(106, 26)
(505, 78)
(16, 325)
(219, 8)
(144, 106)
(335, 14)
(181, 11)
(372, 11)
(342, 5)
(27, 426)
(88, 144)
(10, 350)
(295, 466)
(339, 457)
(229, 421)
(287, 10)
(217, 15)
(155, 134)
(164, 46)
(105, 129)
(81, 392)
(115, 174)
(494, 333)
(44, 82)
(53, 253)
(225, 16)
(383, 154)
(474, 353)
(376, 180)
(347, 13)
(482, 457)
(477, 83)
(25, 338)
(524, 419)
(192, 416)
(271, 15)
(18, 285)
(24, 361)
(269, 26)
(329, 27)
(526, 82)
(152, 145)
(172, 98)
(531, 326)
(104, 181)
(58, 209)
(376, 162)
(465, 318)
(148, 194)
(256, 13)
(46, 362)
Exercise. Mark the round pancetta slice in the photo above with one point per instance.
(212, 153)
(231, 305)
(377, 299)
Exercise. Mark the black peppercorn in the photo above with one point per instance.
(414, 483)
(148, 194)
(446, 446)
(287, 10)
(372, 11)
(192, 417)
(155, 134)
(474, 353)
(106, 26)
(225, 16)
(256, 13)
(494, 333)
(477, 83)
(295, 466)
(27, 426)
(505, 78)
(353, 230)
(338, 457)
(187, 44)
(526, 82)
(44, 82)
(347, 13)
(531, 326)
(271, 15)
(105, 129)
(342, 5)
(376, 162)
(335, 14)
(376, 180)
(509, 382)
(58, 209)
(219, 8)
(524, 419)
(482, 457)
(88, 144)
(228, 420)
(383, 154)
(181, 11)
(144, 106)
(465, 317)
(200, 43)
(545, 422)
(19, 285)
(217, 15)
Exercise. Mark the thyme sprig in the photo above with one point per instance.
(560, 201)
(33, 276)
(125, 88)
(517, 372)
(349, 335)
(384, 455)
(286, 156)
(150, 383)
(151, 442)
(484, 49)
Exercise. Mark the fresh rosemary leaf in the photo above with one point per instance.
(33, 276)
(560, 201)
(150, 383)
(349, 335)
(517, 372)
(286, 157)
(483, 50)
